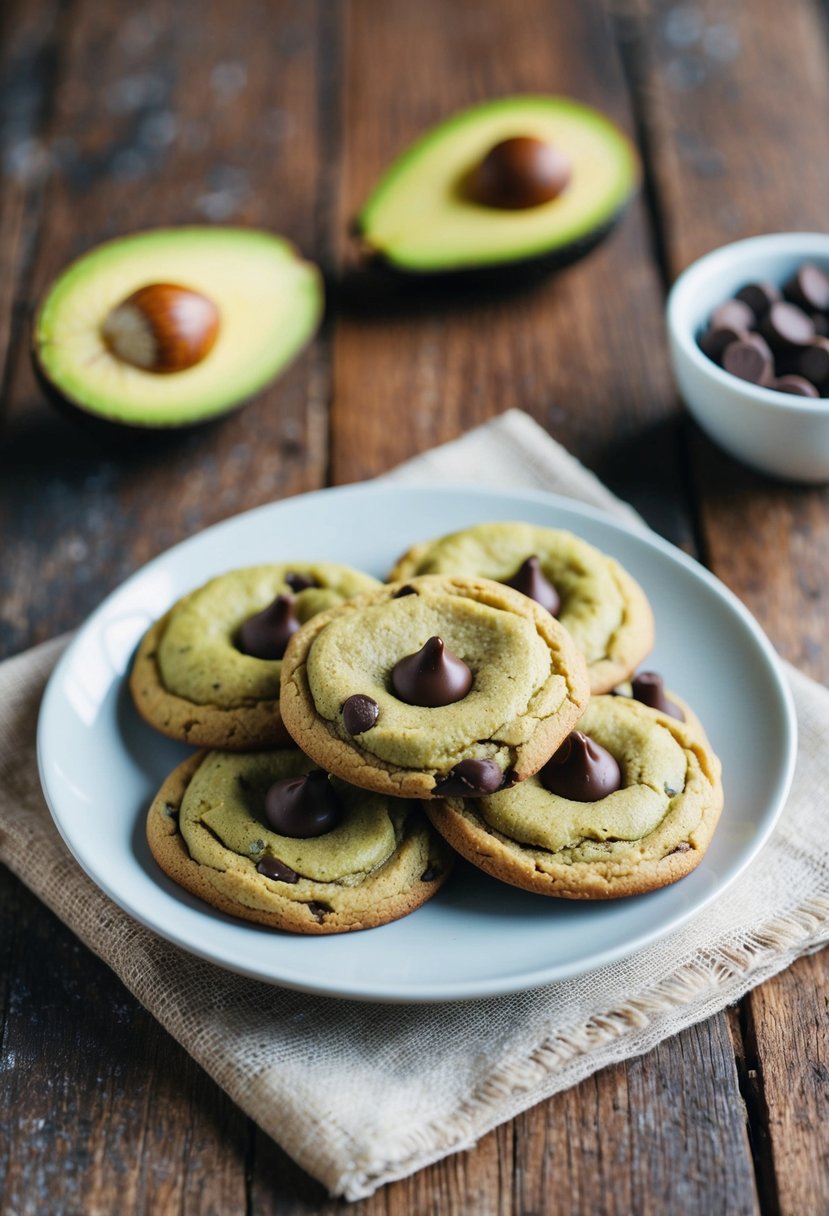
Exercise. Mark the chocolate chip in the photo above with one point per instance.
(787, 325)
(795, 385)
(581, 770)
(431, 677)
(759, 342)
(266, 634)
(431, 873)
(520, 172)
(809, 288)
(813, 362)
(531, 581)
(682, 847)
(300, 582)
(745, 360)
(359, 713)
(759, 297)
(733, 314)
(407, 590)
(793, 329)
(302, 807)
(714, 342)
(470, 779)
(318, 910)
(648, 687)
(276, 870)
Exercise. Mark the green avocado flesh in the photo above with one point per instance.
(421, 217)
(270, 302)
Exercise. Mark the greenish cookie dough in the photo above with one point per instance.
(190, 681)
(529, 684)
(650, 832)
(197, 657)
(602, 607)
(221, 811)
(208, 832)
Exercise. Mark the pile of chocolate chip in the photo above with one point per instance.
(776, 338)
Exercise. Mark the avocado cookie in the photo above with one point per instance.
(433, 686)
(628, 804)
(208, 672)
(597, 601)
(270, 838)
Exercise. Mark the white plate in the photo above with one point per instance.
(100, 765)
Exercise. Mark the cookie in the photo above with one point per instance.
(603, 608)
(236, 830)
(627, 805)
(191, 678)
(432, 686)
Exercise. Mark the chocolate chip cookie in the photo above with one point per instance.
(270, 838)
(601, 605)
(208, 672)
(628, 804)
(433, 686)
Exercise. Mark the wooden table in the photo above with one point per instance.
(282, 114)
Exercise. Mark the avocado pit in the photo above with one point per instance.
(520, 173)
(162, 328)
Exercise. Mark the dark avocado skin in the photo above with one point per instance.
(519, 273)
(108, 433)
(378, 285)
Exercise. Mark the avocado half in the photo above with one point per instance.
(424, 218)
(264, 301)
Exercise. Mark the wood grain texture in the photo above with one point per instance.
(29, 37)
(787, 1038)
(103, 1112)
(732, 158)
(638, 1137)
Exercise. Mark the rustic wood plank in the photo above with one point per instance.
(650, 1136)
(731, 157)
(163, 117)
(581, 350)
(787, 1038)
(30, 34)
(104, 1112)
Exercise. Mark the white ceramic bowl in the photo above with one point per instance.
(778, 433)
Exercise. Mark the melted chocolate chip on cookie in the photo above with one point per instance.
(650, 690)
(531, 581)
(301, 807)
(359, 713)
(300, 582)
(471, 779)
(266, 634)
(275, 869)
(431, 677)
(581, 770)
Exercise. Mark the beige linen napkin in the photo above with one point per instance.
(361, 1094)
